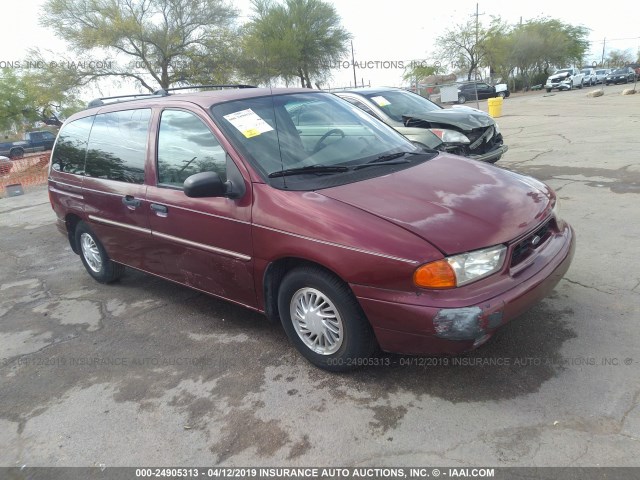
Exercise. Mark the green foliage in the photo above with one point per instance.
(535, 48)
(420, 70)
(466, 46)
(32, 97)
(297, 39)
(165, 41)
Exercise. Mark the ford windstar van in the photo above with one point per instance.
(296, 204)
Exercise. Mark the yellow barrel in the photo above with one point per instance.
(495, 107)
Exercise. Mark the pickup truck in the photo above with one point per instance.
(565, 79)
(467, 91)
(33, 142)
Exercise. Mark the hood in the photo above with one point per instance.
(560, 76)
(455, 204)
(464, 120)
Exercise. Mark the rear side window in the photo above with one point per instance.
(118, 146)
(186, 146)
(71, 148)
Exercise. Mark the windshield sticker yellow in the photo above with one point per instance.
(248, 122)
(381, 101)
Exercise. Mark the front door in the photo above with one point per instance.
(204, 243)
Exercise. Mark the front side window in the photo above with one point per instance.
(186, 146)
(71, 148)
(118, 146)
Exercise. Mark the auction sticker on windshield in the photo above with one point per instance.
(248, 122)
(381, 101)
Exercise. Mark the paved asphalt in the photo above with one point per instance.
(144, 372)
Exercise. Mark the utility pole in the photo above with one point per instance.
(353, 63)
(603, 45)
(475, 83)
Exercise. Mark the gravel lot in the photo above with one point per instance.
(144, 372)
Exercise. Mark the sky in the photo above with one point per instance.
(386, 33)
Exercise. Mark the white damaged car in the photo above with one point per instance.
(565, 79)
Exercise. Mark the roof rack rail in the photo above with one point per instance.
(162, 92)
(98, 102)
(165, 91)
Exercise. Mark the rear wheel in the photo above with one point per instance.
(462, 99)
(94, 257)
(323, 319)
(581, 84)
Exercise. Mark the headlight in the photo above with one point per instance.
(497, 128)
(449, 136)
(461, 269)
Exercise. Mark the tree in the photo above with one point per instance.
(164, 41)
(295, 39)
(619, 58)
(33, 97)
(465, 45)
(420, 69)
(534, 47)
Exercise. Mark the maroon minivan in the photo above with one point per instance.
(298, 205)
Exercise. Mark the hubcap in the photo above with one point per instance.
(316, 321)
(90, 252)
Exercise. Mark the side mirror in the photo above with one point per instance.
(204, 184)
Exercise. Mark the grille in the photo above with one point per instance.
(526, 247)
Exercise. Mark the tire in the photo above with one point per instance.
(462, 99)
(334, 349)
(94, 257)
(571, 85)
(16, 153)
(501, 94)
(548, 90)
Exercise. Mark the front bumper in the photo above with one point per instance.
(451, 326)
(491, 157)
(563, 85)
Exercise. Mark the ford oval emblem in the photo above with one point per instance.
(535, 241)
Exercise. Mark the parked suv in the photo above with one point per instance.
(590, 76)
(338, 227)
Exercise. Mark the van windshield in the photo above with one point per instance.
(317, 132)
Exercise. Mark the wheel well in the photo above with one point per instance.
(273, 276)
(71, 221)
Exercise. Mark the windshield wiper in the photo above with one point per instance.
(309, 169)
(390, 159)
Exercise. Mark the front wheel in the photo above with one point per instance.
(323, 319)
(501, 94)
(581, 84)
(548, 90)
(462, 99)
(16, 153)
(94, 257)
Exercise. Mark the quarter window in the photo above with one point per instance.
(118, 146)
(186, 146)
(71, 149)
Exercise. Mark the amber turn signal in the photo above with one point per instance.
(438, 274)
